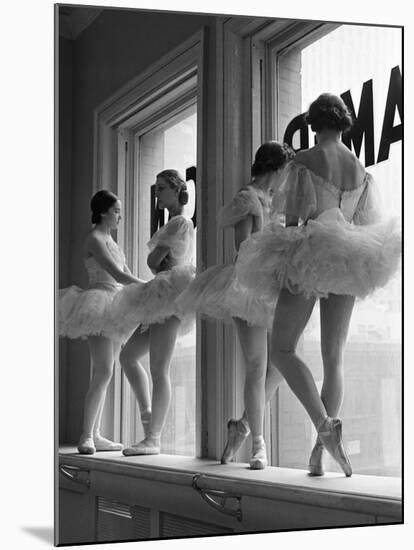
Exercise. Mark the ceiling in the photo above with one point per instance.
(73, 20)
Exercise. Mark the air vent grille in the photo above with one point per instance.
(176, 526)
(118, 521)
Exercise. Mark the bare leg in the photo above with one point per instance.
(291, 315)
(162, 343)
(102, 443)
(238, 430)
(162, 339)
(102, 362)
(272, 382)
(335, 316)
(253, 343)
(136, 347)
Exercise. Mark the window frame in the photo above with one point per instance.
(114, 170)
(243, 100)
(267, 46)
(246, 49)
(131, 133)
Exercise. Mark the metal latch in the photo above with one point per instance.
(226, 503)
(75, 474)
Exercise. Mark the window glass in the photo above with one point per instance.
(363, 64)
(169, 145)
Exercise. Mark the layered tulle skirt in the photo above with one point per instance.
(144, 304)
(217, 294)
(327, 255)
(83, 313)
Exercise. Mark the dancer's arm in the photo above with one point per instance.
(98, 249)
(370, 208)
(157, 259)
(242, 230)
(129, 272)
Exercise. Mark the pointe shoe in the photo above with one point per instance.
(144, 447)
(259, 459)
(315, 465)
(236, 435)
(104, 444)
(330, 435)
(86, 446)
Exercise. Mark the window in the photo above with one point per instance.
(170, 144)
(151, 124)
(363, 64)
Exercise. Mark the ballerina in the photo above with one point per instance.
(335, 246)
(84, 313)
(216, 293)
(149, 315)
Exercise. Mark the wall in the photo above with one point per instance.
(115, 48)
(64, 197)
(290, 89)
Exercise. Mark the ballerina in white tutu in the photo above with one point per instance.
(148, 311)
(216, 293)
(84, 313)
(335, 246)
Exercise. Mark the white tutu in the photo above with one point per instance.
(152, 302)
(216, 293)
(83, 313)
(327, 255)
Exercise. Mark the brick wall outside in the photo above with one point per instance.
(290, 89)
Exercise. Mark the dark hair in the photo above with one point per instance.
(328, 111)
(271, 156)
(101, 202)
(174, 180)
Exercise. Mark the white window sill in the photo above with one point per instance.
(380, 496)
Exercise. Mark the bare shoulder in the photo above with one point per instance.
(351, 163)
(303, 155)
(93, 240)
(307, 156)
(93, 237)
(311, 158)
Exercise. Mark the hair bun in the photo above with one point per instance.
(328, 111)
(270, 157)
(100, 203)
(183, 195)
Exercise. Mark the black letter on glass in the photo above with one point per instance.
(391, 134)
(363, 123)
(297, 123)
(191, 174)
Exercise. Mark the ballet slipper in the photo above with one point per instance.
(330, 435)
(315, 465)
(104, 444)
(259, 459)
(145, 447)
(86, 446)
(237, 433)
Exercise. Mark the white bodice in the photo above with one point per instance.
(97, 274)
(247, 201)
(305, 194)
